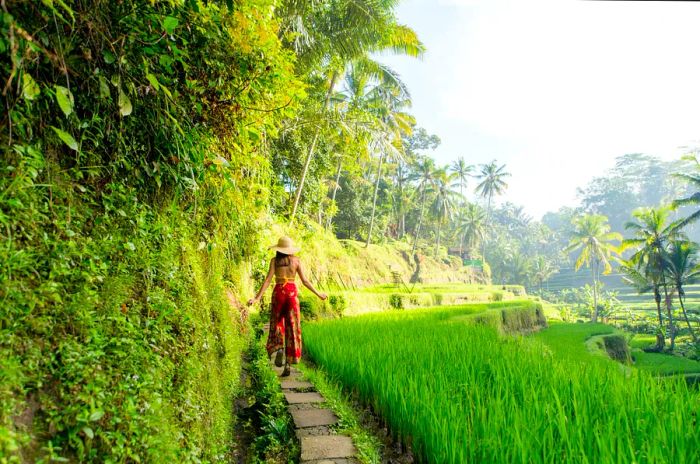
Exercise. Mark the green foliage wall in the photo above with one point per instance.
(134, 178)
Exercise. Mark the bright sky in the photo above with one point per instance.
(554, 89)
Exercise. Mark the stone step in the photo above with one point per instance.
(313, 431)
(296, 398)
(333, 461)
(294, 384)
(326, 447)
(313, 417)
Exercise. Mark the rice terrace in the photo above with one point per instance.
(349, 232)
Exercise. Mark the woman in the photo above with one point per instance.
(285, 326)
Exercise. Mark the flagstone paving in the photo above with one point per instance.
(314, 423)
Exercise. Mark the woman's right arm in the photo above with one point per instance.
(268, 279)
(307, 284)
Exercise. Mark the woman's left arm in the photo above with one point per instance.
(307, 284)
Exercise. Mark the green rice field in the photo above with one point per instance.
(459, 392)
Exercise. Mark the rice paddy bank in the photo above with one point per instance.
(585, 342)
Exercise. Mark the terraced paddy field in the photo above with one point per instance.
(460, 391)
(406, 296)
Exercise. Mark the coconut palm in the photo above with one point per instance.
(344, 34)
(462, 171)
(645, 278)
(542, 269)
(520, 268)
(425, 175)
(682, 266)
(652, 234)
(492, 183)
(386, 103)
(444, 202)
(471, 226)
(694, 180)
(591, 235)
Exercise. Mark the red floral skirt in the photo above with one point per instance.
(285, 323)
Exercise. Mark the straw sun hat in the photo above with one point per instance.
(285, 245)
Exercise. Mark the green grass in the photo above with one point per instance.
(457, 392)
(568, 341)
(664, 364)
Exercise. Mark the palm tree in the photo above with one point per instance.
(682, 266)
(471, 226)
(520, 268)
(694, 199)
(425, 175)
(542, 270)
(400, 196)
(492, 182)
(386, 103)
(592, 236)
(333, 38)
(443, 204)
(644, 278)
(462, 171)
(652, 233)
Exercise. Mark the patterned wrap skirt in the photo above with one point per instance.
(285, 322)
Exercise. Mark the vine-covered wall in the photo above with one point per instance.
(134, 181)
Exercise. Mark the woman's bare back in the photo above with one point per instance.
(287, 272)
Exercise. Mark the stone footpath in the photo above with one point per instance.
(313, 421)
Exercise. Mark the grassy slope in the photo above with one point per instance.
(569, 341)
(349, 265)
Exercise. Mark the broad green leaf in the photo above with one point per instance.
(124, 103)
(169, 24)
(154, 82)
(66, 137)
(108, 57)
(104, 87)
(30, 89)
(88, 432)
(129, 246)
(65, 100)
(97, 415)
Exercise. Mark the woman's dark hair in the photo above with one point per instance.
(281, 259)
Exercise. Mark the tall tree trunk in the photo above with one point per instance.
(374, 201)
(595, 291)
(335, 187)
(671, 325)
(488, 222)
(437, 244)
(310, 154)
(660, 340)
(681, 293)
(420, 220)
(402, 212)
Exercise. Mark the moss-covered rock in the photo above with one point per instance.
(617, 348)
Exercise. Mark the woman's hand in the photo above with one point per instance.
(322, 296)
(253, 301)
